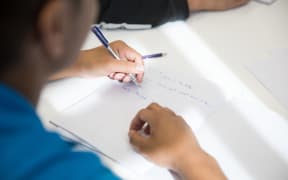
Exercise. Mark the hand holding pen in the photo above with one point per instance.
(98, 62)
(127, 53)
(131, 63)
(106, 44)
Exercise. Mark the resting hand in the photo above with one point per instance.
(195, 5)
(168, 138)
(169, 142)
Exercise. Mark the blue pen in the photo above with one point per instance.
(151, 56)
(105, 43)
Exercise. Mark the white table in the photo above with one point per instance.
(248, 136)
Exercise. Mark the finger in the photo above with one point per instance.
(129, 54)
(109, 76)
(137, 58)
(121, 80)
(126, 67)
(154, 106)
(148, 116)
(126, 79)
(140, 77)
(112, 75)
(137, 123)
(121, 47)
(141, 118)
(147, 130)
(119, 76)
(169, 111)
(137, 140)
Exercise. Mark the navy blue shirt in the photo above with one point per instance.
(27, 151)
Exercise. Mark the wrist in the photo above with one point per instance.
(197, 165)
(189, 159)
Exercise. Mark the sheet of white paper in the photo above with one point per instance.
(272, 72)
(63, 93)
(103, 118)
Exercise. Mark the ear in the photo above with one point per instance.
(51, 29)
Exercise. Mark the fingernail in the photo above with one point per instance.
(119, 76)
(140, 68)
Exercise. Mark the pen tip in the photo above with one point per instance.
(164, 54)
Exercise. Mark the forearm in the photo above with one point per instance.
(198, 5)
(76, 69)
(200, 166)
(66, 73)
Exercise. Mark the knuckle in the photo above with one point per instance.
(167, 110)
(154, 105)
(179, 117)
(141, 112)
(118, 42)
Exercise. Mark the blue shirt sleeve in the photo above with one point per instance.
(27, 151)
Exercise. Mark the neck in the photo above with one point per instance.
(27, 80)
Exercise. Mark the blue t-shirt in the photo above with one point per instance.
(27, 151)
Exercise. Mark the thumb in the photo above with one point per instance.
(123, 66)
(137, 140)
